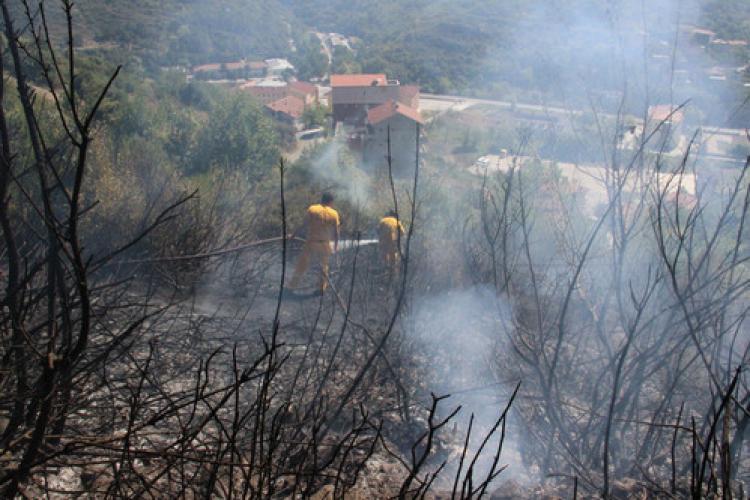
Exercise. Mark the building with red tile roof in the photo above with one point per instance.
(234, 66)
(409, 95)
(304, 90)
(665, 113)
(272, 89)
(666, 120)
(361, 80)
(257, 65)
(289, 109)
(391, 109)
(392, 129)
(266, 91)
(353, 95)
(205, 68)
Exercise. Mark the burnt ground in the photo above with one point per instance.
(228, 313)
(237, 302)
(234, 303)
(242, 296)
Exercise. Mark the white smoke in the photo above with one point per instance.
(336, 166)
(459, 332)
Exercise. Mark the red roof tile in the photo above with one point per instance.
(665, 113)
(232, 66)
(390, 109)
(408, 91)
(702, 31)
(207, 67)
(290, 105)
(304, 87)
(358, 80)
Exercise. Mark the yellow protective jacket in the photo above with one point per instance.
(388, 231)
(322, 223)
(322, 227)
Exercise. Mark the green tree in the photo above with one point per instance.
(181, 132)
(314, 116)
(344, 61)
(238, 136)
(131, 116)
(310, 60)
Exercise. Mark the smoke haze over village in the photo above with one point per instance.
(375, 249)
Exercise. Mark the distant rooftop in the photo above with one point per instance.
(290, 105)
(303, 87)
(390, 109)
(665, 113)
(207, 67)
(360, 80)
(408, 91)
(265, 82)
(703, 31)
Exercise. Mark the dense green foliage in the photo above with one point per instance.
(237, 136)
(480, 47)
(309, 59)
(315, 116)
(485, 48)
(160, 138)
(182, 32)
(439, 44)
(556, 51)
(559, 52)
(729, 18)
(344, 61)
(193, 126)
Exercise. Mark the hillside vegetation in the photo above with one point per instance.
(517, 49)
(181, 32)
(575, 279)
(487, 48)
(442, 45)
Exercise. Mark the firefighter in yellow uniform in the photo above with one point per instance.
(390, 232)
(322, 224)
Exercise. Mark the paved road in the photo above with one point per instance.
(443, 103)
(436, 102)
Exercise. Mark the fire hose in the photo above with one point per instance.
(214, 253)
(345, 244)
